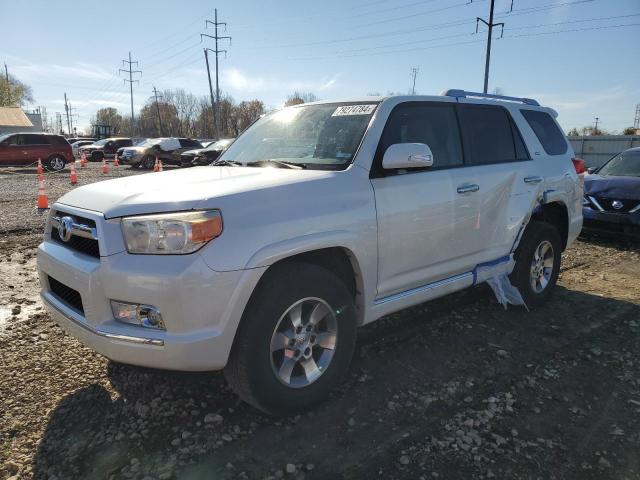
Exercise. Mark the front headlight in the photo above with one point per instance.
(171, 233)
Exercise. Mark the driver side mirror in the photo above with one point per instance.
(591, 170)
(407, 155)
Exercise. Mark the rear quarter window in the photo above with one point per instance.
(551, 137)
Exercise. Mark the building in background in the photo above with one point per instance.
(14, 119)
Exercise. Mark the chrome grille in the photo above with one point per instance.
(76, 233)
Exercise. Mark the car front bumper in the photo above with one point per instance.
(201, 308)
(620, 225)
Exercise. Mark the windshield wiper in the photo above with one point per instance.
(225, 163)
(280, 163)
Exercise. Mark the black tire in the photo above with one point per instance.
(535, 234)
(250, 369)
(56, 163)
(148, 162)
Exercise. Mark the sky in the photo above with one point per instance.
(579, 57)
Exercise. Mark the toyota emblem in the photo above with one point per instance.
(617, 204)
(64, 228)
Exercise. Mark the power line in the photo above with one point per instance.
(130, 63)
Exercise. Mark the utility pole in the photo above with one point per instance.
(636, 120)
(414, 74)
(217, 51)
(595, 130)
(66, 109)
(489, 24)
(213, 103)
(155, 93)
(6, 73)
(130, 80)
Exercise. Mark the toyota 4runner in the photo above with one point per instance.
(319, 218)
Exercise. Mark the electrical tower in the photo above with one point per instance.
(595, 129)
(155, 93)
(129, 70)
(414, 74)
(490, 24)
(636, 120)
(217, 51)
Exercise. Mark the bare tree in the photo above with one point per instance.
(296, 98)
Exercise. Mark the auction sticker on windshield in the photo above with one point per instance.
(353, 110)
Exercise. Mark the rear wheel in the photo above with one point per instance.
(295, 341)
(55, 163)
(537, 262)
(148, 162)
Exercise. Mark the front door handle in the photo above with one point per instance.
(468, 188)
(534, 179)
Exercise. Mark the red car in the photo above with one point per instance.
(22, 149)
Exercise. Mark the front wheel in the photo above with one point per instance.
(55, 163)
(537, 262)
(295, 340)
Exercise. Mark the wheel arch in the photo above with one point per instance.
(339, 260)
(557, 214)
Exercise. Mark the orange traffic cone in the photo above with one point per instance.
(83, 160)
(159, 165)
(74, 174)
(115, 161)
(43, 201)
(105, 167)
(156, 167)
(39, 166)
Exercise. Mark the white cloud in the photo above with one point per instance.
(61, 72)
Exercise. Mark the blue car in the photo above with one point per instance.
(611, 204)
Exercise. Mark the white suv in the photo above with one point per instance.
(319, 218)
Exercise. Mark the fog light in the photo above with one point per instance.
(137, 314)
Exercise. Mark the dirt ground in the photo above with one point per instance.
(454, 389)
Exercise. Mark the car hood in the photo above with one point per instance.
(179, 190)
(608, 186)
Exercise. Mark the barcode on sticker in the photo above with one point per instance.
(353, 110)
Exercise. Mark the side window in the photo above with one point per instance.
(487, 134)
(430, 123)
(16, 140)
(125, 143)
(521, 150)
(547, 131)
(35, 140)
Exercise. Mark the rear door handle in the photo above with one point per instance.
(533, 180)
(468, 188)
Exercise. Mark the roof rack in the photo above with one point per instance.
(456, 93)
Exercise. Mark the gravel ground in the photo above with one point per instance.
(457, 388)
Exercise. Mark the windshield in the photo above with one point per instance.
(148, 142)
(626, 164)
(102, 142)
(321, 136)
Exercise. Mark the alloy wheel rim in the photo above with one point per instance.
(56, 163)
(303, 342)
(541, 266)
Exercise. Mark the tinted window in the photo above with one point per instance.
(124, 143)
(31, 139)
(185, 142)
(547, 131)
(487, 134)
(432, 124)
(16, 140)
(57, 140)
